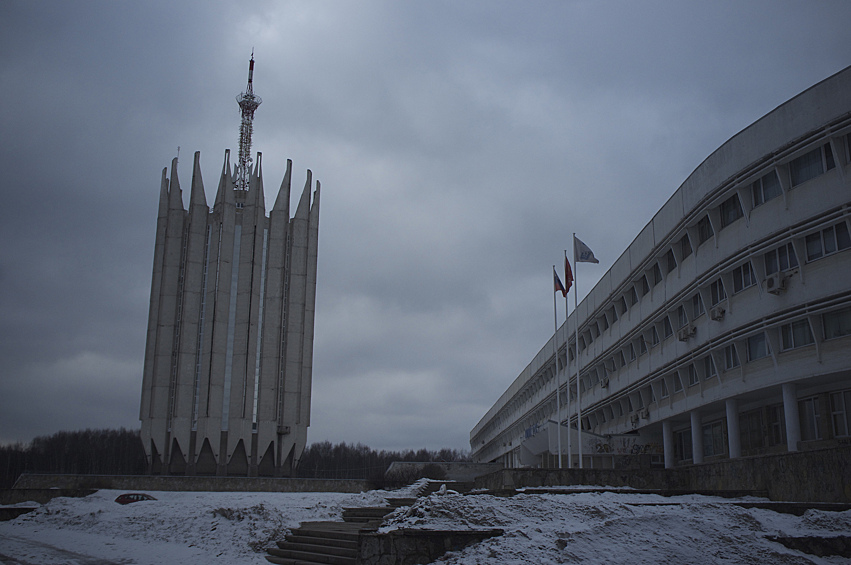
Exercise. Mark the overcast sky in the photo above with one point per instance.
(458, 144)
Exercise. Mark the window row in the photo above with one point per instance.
(781, 259)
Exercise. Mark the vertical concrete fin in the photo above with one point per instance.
(175, 197)
(304, 202)
(314, 208)
(257, 182)
(197, 197)
(163, 210)
(223, 193)
(282, 202)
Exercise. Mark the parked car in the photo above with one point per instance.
(129, 497)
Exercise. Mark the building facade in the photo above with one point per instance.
(228, 362)
(724, 329)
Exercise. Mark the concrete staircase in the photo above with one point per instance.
(334, 543)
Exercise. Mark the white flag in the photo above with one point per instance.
(582, 253)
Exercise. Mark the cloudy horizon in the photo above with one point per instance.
(458, 146)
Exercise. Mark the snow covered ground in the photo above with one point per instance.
(605, 527)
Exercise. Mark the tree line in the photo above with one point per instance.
(86, 452)
(120, 452)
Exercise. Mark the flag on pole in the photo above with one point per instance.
(582, 253)
(568, 276)
(557, 283)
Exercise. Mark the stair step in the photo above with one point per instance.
(318, 548)
(379, 511)
(311, 557)
(297, 538)
(397, 502)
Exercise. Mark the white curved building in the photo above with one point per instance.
(724, 329)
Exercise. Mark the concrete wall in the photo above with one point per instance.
(209, 484)
(455, 471)
(808, 476)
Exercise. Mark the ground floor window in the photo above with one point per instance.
(713, 439)
(809, 413)
(751, 431)
(682, 445)
(776, 419)
(840, 411)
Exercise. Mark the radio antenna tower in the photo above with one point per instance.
(248, 103)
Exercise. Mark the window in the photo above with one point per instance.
(810, 417)
(670, 261)
(657, 274)
(810, 165)
(654, 336)
(623, 304)
(704, 230)
(645, 286)
(622, 358)
(613, 314)
(765, 189)
(642, 346)
(604, 322)
(682, 320)
(781, 259)
(750, 428)
(827, 241)
(631, 352)
(663, 388)
(731, 210)
(682, 445)
(667, 329)
(776, 424)
(581, 343)
(837, 324)
(796, 334)
(716, 292)
(693, 379)
(697, 308)
(840, 413)
(713, 439)
(678, 384)
(685, 246)
(709, 367)
(757, 347)
(743, 277)
(731, 357)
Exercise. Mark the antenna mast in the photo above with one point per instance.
(248, 103)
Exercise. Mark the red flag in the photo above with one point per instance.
(568, 276)
(557, 283)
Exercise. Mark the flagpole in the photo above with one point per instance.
(566, 360)
(558, 379)
(576, 335)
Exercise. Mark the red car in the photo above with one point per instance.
(133, 497)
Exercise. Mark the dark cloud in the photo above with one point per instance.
(458, 146)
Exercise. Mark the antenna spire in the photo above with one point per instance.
(248, 103)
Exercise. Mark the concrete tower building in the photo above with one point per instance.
(228, 361)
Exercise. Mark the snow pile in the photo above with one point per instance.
(616, 528)
(184, 527)
(193, 528)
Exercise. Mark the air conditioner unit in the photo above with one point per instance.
(717, 313)
(686, 332)
(644, 413)
(604, 382)
(775, 283)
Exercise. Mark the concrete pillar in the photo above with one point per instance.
(790, 410)
(668, 444)
(734, 438)
(696, 438)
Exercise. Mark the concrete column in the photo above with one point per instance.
(668, 444)
(790, 410)
(734, 438)
(696, 438)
